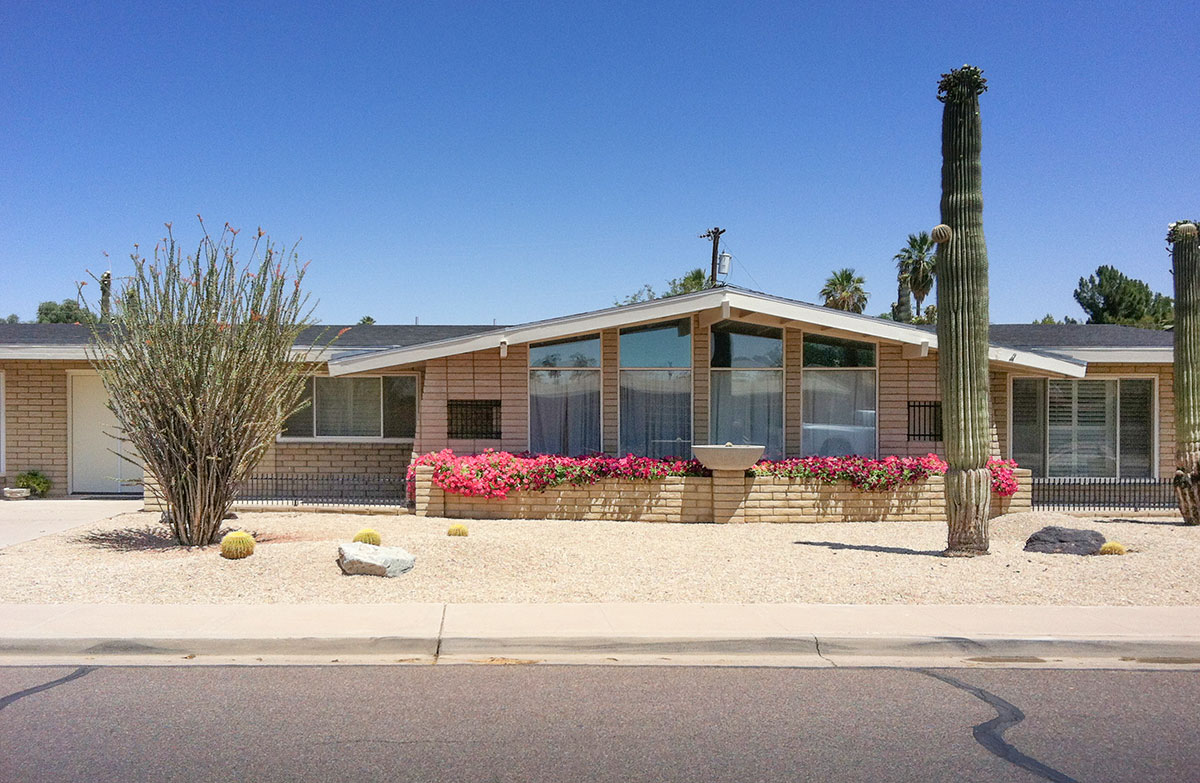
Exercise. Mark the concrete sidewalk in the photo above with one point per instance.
(821, 631)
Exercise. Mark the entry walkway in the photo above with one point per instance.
(25, 520)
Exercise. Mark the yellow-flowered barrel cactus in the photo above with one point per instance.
(457, 530)
(236, 545)
(368, 536)
(1113, 548)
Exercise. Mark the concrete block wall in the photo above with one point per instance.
(691, 499)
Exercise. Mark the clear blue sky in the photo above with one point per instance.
(464, 162)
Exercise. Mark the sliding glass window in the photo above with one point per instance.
(656, 390)
(747, 386)
(1092, 428)
(839, 397)
(564, 396)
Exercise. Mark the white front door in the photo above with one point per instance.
(96, 464)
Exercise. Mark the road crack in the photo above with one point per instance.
(990, 734)
(75, 675)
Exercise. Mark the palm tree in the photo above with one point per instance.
(915, 265)
(844, 291)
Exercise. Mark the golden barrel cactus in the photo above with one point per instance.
(368, 536)
(236, 545)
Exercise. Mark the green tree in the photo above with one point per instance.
(915, 266)
(1049, 319)
(695, 280)
(1110, 297)
(200, 372)
(68, 311)
(843, 290)
(366, 320)
(12, 318)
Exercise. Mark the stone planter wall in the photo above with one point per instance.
(679, 499)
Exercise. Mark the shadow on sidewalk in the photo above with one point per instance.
(886, 550)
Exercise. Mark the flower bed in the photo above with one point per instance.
(499, 485)
(494, 474)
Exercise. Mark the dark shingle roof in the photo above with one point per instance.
(355, 337)
(1051, 336)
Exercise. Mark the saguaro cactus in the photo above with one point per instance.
(1185, 262)
(962, 329)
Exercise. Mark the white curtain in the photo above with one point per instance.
(564, 411)
(747, 408)
(348, 407)
(656, 413)
(839, 413)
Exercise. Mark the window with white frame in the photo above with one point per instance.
(747, 386)
(564, 396)
(656, 389)
(838, 397)
(1084, 428)
(356, 408)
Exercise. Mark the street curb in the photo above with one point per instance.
(914, 647)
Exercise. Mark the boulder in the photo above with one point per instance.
(1056, 540)
(358, 558)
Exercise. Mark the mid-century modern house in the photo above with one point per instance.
(720, 365)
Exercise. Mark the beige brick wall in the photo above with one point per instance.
(1164, 375)
(701, 382)
(690, 499)
(482, 375)
(35, 419)
(371, 459)
(793, 398)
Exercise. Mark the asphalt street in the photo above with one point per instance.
(589, 723)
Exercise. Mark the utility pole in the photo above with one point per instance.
(713, 235)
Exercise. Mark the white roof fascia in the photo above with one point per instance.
(43, 352)
(819, 315)
(1156, 355)
(1036, 361)
(532, 332)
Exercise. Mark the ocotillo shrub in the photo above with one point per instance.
(962, 327)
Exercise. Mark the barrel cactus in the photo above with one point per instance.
(368, 536)
(1185, 262)
(962, 326)
(457, 530)
(236, 545)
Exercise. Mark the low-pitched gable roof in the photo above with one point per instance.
(723, 299)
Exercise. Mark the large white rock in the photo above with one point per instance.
(358, 558)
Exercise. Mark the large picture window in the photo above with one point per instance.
(1094, 428)
(356, 408)
(839, 397)
(747, 386)
(564, 396)
(656, 389)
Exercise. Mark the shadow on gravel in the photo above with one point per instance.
(885, 550)
(1164, 521)
(148, 538)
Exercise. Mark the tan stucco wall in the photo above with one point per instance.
(690, 499)
(35, 419)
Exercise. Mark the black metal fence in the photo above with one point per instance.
(324, 490)
(1103, 494)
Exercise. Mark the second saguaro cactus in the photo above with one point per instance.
(962, 328)
(1185, 262)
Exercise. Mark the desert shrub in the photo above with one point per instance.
(34, 481)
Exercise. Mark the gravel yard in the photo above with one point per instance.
(120, 561)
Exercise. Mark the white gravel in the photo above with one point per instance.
(563, 561)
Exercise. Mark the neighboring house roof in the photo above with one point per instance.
(1090, 342)
(723, 300)
(70, 341)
